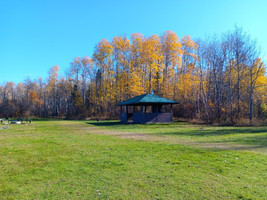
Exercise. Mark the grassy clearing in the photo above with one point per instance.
(80, 160)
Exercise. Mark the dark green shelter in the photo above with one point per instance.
(147, 108)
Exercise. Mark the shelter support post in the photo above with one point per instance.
(160, 107)
(171, 112)
(155, 108)
(126, 113)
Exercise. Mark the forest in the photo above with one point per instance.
(217, 79)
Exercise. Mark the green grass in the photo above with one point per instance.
(92, 160)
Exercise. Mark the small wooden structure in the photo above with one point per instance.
(147, 108)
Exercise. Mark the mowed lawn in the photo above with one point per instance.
(109, 160)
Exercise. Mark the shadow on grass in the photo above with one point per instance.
(258, 141)
(220, 131)
(119, 123)
(254, 137)
(45, 119)
(245, 143)
(105, 123)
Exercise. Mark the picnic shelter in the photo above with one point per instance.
(146, 108)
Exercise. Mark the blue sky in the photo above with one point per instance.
(36, 35)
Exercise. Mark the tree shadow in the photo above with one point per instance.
(44, 119)
(258, 141)
(112, 123)
(251, 137)
(221, 131)
(130, 124)
(106, 123)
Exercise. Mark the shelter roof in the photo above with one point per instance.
(147, 99)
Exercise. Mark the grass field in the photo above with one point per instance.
(109, 160)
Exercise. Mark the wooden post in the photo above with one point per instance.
(126, 113)
(155, 108)
(133, 109)
(160, 107)
(121, 114)
(171, 112)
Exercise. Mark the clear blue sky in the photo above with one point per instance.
(37, 34)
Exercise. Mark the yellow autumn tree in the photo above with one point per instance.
(121, 56)
(152, 63)
(171, 51)
(105, 75)
(188, 78)
(136, 64)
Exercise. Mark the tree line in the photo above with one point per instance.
(220, 79)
